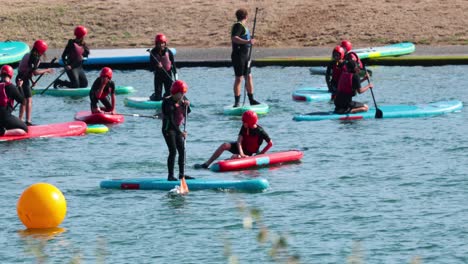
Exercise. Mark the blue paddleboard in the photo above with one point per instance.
(311, 94)
(118, 56)
(389, 111)
(12, 51)
(142, 103)
(260, 109)
(253, 185)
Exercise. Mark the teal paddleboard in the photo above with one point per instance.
(311, 94)
(260, 109)
(253, 185)
(79, 92)
(389, 111)
(12, 51)
(397, 49)
(142, 103)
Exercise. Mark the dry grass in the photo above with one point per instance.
(206, 23)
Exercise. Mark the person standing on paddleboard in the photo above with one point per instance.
(163, 64)
(251, 137)
(72, 57)
(103, 88)
(334, 69)
(174, 113)
(348, 85)
(28, 67)
(9, 124)
(241, 43)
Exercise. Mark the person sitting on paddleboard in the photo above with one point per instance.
(241, 44)
(174, 110)
(73, 56)
(348, 85)
(9, 124)
(251, 137)
(28, 67)
(163, 64)
(334, 69)
(349, 54)
(102, 88)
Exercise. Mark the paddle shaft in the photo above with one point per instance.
(138, 115)
(48, 86)
(185, 137)
(164, 70)
(247, 72)
(378, 112)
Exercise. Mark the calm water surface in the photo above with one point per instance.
(395, 188)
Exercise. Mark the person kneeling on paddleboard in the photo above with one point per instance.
(72, 56)
(351, 55)
(348, 85)
(251, 137)
(163, 64)
(334, 70)
(102, 88)
(175, 109)
(9, 124)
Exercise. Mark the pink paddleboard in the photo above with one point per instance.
(68, 129)
(98, 118)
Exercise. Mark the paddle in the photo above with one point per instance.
(48, 86)
(378, 112)
(183, 185)
(250, 54)
(154, 57)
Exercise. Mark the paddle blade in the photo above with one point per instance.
(378, 113)
(183, 186)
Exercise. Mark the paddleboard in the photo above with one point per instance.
(323, 71)
(79, 92)
(68, 129)
(142, 103)
(99, 118)
(260, 109)
(97, 129)
(252, 185)
(389, 111)
(12, 51)
(262, 160)
(117, 56)
(397, 49)
(311, 94)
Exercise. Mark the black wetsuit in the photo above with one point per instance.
(160, 77)
(252, 138)
(172, 114)
(7, 120)
(71, 57)
(240, 52)
(108, 90)
(28, 65)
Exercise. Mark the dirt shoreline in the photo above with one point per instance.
(206, 23)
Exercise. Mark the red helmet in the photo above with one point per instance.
(340, 51)
(106, 72)
(250, 117)
(7, 70)
(346, 45)
(179, 86)
(80, 32)
(40, 46)
(160, 38)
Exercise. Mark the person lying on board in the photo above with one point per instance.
(175, 109)
(334, 69)
(103, 88)
(10, 125)
(163, 64)
(251, 137)
(29, 66)
(72, 56)
(349, 84)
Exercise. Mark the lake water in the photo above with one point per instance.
(380, 191)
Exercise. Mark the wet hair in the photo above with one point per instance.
(241, 14)
(351, 65)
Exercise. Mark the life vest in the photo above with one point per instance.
(353, 56)
(4, 99)
(245, 36)
(345, 84)
(250, 141)
(179, 115)
(165, 60)
(337, 69)
(76, 55)
(24, 68)
(105, 91)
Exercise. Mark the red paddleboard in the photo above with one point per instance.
(99, 118)
(68, 129)
(266, 159)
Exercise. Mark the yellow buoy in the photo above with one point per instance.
(41, 205)
(96, 129)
